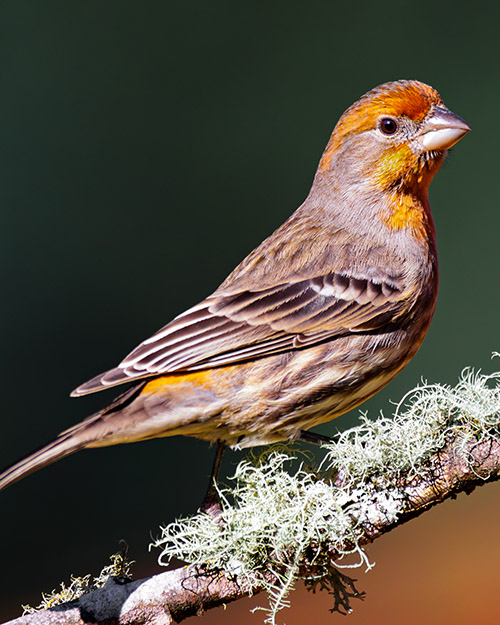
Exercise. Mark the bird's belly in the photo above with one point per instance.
(316, 386)
(266, 400)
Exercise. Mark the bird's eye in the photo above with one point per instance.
(388, 125)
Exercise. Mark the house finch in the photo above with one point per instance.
(322, 315)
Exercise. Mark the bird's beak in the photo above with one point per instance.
(442, 129)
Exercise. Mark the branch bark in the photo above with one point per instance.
(172, 596)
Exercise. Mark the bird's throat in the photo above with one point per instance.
(407, 211)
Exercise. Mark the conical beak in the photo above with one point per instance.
(442, 130)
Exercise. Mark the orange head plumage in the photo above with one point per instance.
(387, 146)
(405, 128)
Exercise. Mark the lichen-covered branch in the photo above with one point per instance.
(166, 598)
(284, 519)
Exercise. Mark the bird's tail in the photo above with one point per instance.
(69, 441)
(91, 432)
(59, 448)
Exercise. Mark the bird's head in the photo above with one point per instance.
(393, 137)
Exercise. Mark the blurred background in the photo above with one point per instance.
(146, 148)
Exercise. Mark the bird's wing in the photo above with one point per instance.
(230, 327)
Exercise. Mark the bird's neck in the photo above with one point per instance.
(409, 211)
(391, 192)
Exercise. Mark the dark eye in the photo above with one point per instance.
(388, 125)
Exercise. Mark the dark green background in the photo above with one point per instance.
(145, 148)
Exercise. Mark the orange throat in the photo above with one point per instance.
(407, 212)
(406, 181)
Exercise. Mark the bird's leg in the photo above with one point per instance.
(312, 437)
(211, 504)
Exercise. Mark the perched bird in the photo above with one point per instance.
(319, 317)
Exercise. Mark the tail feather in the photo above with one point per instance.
(62, 446)
(92, 430)
(71, 440)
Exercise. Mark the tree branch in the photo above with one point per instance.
(372, 500)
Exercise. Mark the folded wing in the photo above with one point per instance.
(227, 328)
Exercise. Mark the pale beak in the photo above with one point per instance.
(442, 130)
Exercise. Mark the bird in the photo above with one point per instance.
(318, 318)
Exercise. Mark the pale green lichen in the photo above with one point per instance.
(278, 508)
(119, 568)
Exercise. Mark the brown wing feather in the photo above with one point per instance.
(228, 328)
